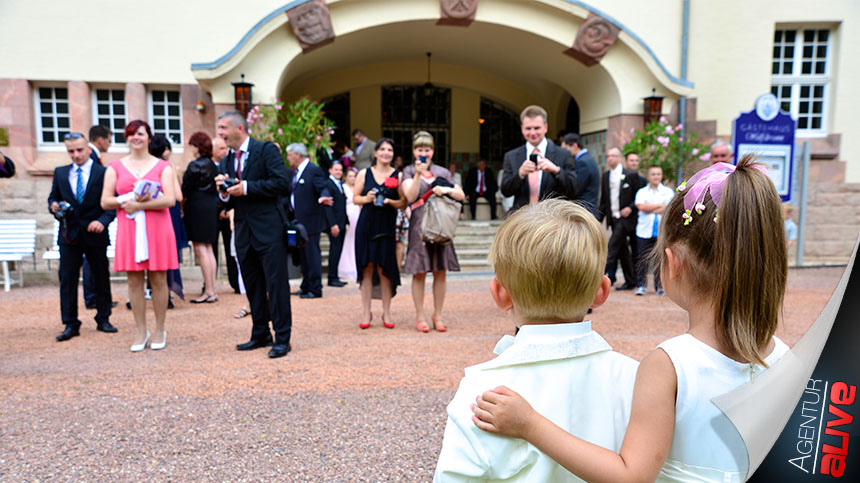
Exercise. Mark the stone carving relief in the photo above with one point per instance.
(595, 37)
(457, 12)
(311, 24)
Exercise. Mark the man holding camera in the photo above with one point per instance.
(75, 200)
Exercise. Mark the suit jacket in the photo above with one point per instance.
(8, 169)
(309, 188)
(259, 217)
(336, 213)
(562, 185)
(490, 183)
(365, 157)
(95, 157)
(85, 212)
(588, 176)
(626, 197)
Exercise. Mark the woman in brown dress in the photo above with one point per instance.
(419, 178)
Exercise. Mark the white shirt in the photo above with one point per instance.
(336, 182)
(96, 150)
(661, 196)
(85, 174)
(615, 189)
(298, 176)
(541, 147)
(236, 163)
(569, 374)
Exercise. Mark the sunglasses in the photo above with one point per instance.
(72, 135)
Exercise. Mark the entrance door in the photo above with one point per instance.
(408, 109)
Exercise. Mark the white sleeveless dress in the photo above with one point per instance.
(706, 446)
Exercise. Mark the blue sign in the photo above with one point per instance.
(768, 133)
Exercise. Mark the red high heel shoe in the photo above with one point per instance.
(366, 325)
(421, 326)
(386, 324)
(439, 327)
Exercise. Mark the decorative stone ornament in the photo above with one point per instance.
(460, 13)
(311, 24)
(595, 37)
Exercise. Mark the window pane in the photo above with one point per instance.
(821, 51)
(45, 92)
(46, 107)
(119, 137)
(102, 95)
(775, 68)
(48, 137)
(158, 124)
(802, 123)
(804, 107)
(173, 124)
(62, 108)
(62, 93)
(822, 35)
(816, 123)
(158, 96)
(173, 110)
(172, 96)
(807, 51)
(774, 90)
(804, 92)
(806, 68)
(119, 109)
(790, 35)
(158, 109)
(819, 68)
(63, 122)
(818, 91)
(62, 134)
(785, 106)
(103, 109)
(118, 95)
(776, 52)
(47, 122)
(789, 52)
(809, 36)
(118, 124)
(777, 36)
(787, 67)
(786, 91)
(816, 107)
(175, 138)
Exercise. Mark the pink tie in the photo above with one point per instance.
(239, 164)
(534, 184)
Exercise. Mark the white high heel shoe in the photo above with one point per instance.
(157, 346)
(140, 347)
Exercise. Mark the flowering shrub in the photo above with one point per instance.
(302, 121)
(661, 144)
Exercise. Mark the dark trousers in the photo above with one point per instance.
(619, 250)
(643, 255)
(266, 271)
(334, 251)
(473, 203)
(311, 262)
(71, 260)
(232, 271)
(89, 283)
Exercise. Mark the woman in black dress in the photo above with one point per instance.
(201, 211)
(378, 192)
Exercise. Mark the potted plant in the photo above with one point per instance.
(302, 121)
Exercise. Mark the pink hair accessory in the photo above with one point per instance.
(711, 179)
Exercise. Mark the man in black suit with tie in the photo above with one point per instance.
(99, 144)
(75, 200)
(618, 193)
(481, 183)
(587, 173)
(539, 169)
(336, 221)
(261, 178)
(309, 190)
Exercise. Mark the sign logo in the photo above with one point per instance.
(766, 107)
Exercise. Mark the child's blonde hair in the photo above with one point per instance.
(422, 139)
(550, 257)
(739, 260)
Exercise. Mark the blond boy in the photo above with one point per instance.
(548, 260)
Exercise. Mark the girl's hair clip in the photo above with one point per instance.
(709, 180)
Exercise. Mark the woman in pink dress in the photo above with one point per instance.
(160, 240)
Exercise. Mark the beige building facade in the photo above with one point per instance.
(589, 63)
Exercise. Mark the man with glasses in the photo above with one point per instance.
(75, 200)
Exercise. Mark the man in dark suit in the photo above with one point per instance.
(83, 231)
(587, 173)
(481, 183)
(551, 176)
(336, 222)
(618, 193)
(261, 179)
(99, 144)
(309, 190)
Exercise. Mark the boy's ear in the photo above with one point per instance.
(602, 292)
(673, 263)
(501, 296)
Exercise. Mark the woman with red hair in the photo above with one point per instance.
(145, 241)
(200, 211)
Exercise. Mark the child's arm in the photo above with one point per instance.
(646, 442)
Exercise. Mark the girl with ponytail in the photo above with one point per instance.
(722, 258)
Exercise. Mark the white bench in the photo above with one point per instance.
(54, 252)
(17, 240)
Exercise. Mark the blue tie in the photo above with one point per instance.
(656, 230)
(79, 186)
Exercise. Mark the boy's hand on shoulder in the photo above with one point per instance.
(503, 411)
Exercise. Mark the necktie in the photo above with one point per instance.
(656, 227)
(534, 183)
(79, 186)
(340, 186)
(239, 164)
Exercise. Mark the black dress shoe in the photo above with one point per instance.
(310, 295)
(279, 350)
(297, 292)
(254, 344)
(626, 286)
(92, 306)
(336, 283)
(105, 327)
(68, 333)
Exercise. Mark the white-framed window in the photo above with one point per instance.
(800, 75)
(53, 121)
(109, 110)
(165, 112)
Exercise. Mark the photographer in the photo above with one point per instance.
(75, 200)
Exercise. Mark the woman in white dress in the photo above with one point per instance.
(346, 268)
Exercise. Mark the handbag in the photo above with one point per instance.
(295, 233)
(441, 214)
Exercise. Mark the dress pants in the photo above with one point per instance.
(473, 203)
(232, 271)
(89, 284)
(334, 251)
(265, 270)
(311, 262)
(619, 250)
(71, 259)
(645, 245)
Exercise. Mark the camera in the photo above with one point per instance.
(533, 158)
(228, 183)
(422, 159)
(64, 211)
(380, 198)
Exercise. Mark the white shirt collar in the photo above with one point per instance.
(302, 166)
(244, 146)
(540, 147)
(583, 151)
(86, 167)
(96, 150)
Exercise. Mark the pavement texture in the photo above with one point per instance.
(345, 405)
